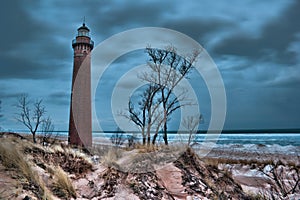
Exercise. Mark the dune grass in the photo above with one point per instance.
(62, 185)
(13, 159)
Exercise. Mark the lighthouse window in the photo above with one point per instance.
(83, 33)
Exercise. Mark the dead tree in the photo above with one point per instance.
(191, 123)
(138, 117)
(47, 132)
(146, 114)
(32, 119)
(167, 70)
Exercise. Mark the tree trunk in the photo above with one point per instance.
(154, 138)
(165, 136)
(148, 141)
(144, 136)
(190, 137)
(144, 140)
(148, 134)
(33, 137)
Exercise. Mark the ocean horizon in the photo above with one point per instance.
(283, 138)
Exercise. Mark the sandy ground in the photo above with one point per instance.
(239, 160)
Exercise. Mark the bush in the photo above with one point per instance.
(118, 138)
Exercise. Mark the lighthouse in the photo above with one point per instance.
(80, 125)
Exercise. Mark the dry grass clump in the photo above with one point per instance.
(12, 158)
(26, 161)
(69, 160)
(111, 157)
(62, 185)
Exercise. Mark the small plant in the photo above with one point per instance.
(191, 124)
(62, 187)
(118, 138)
(131, 141)
(47, 136)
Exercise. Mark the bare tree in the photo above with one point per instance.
(32, 119)
(146, 114)
(158, 120)
(191, 123)
(47, 132)
(167, 70)
(138, 117)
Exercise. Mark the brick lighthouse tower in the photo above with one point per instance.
(80, 126)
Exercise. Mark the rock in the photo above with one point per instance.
(171, 178)
(95, 159)
(27, 198)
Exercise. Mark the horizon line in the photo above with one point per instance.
(254, 130)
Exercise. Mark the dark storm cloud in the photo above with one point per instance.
(198, 28)
(16, 30)
(254, 44)
(39, 34)
(272, 43)
(30, 48)
(16, 67)
(291, 81)
(135, 13)
(10, 95)
(61, 98)
(16, 26)
(112, 17)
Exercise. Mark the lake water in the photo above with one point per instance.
(282, 139)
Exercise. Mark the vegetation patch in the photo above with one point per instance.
(62, 185)
(145, 186)
(13, 159)
(69, 161)
(207, 180)
(112, 178)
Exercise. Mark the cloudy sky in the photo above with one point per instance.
(255, 44)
